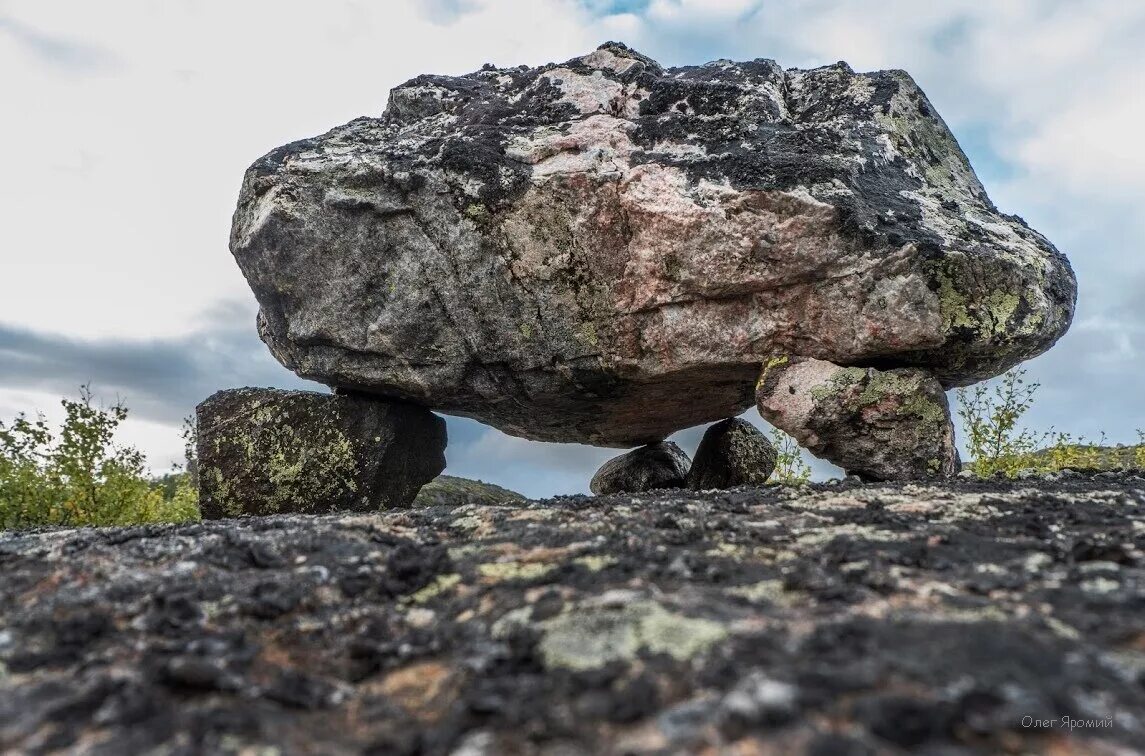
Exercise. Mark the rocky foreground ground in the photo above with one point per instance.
(974, 616)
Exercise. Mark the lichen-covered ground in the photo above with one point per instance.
(974, 616)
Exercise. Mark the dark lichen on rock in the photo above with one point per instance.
(733, 452)
(866, 618)
(647, 468)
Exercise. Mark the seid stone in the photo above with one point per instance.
(878, 424)
(732, 453)
(267, 451)
(662, 465)
(606, 251)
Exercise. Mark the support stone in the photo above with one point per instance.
(732, 453)
(647, 468)
(266, 451)
(878, 424)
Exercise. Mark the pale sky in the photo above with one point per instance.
(127, 125)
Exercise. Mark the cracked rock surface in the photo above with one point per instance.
(605, 250)
(833, 619)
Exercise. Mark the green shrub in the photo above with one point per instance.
(790, 469)
(990, 418)
(998, 444)
(79, 476)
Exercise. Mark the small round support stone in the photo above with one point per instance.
(878, 424)
(732, 453)
(660, 465)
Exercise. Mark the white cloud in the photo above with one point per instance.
(120, 180)
(1057, 83)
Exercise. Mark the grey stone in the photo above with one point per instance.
(878, 424)
(662, 465)
(267, 451)
(606, 251)
(732, 453)
(757, 701)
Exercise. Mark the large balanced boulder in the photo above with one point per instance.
(267, 451)
(606, 251)
(649, 468)
(732, 453)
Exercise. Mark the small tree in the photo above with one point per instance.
(990, 418)
(80, 476)
(25, 493)
(997, 443)
(790, 469)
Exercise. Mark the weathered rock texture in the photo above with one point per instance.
(606, 251)
(732, 453)
(661, 465)
(878, 424)
(832, 620)
(266, 451)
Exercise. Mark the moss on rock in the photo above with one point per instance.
(880, 424)
(264, 451)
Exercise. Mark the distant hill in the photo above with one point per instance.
(450, 490)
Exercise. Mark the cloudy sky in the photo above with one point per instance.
(127, 124)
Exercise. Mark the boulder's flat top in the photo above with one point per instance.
(834, 619)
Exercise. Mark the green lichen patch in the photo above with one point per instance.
(771, 591)
(502, 571)
(299, 465)
(840, 382)
(589, 637)
(478, 213)
(440, 585)
(771, 364)
(595, 562)
(588, 333)
(998, 315)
